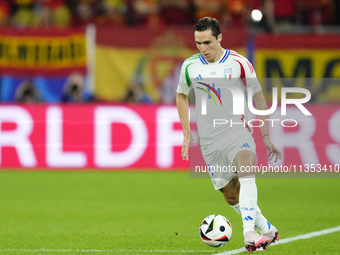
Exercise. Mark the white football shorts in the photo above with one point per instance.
(220, 156)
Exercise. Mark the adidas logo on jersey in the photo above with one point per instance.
(199, 78)
(245, 146)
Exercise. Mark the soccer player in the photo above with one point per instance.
(226, 145)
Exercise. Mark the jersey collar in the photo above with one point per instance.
(222, 60)
(225, 56)
(203, 60)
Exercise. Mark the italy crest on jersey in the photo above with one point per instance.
(227, 74)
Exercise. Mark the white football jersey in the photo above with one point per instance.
(218, 86)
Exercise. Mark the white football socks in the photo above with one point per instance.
(237, 208)
(261, 223)
(248, 202)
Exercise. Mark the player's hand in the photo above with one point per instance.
(273, 152)
(187, 142)
(192, 139)
(185, 148)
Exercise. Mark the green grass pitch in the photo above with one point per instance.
(57, 212)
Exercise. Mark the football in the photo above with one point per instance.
(215, 230)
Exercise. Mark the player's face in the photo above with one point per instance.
(208, 45)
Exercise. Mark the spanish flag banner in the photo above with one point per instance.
(151, 58)
(42, 52)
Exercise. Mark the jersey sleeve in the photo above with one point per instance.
(184, 80)
(251, 77)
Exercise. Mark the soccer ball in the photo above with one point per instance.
(215, 230)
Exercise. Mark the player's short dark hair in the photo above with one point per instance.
(208, 23)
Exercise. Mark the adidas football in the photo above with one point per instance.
(215, 230)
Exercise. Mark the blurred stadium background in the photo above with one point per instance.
(91, 85)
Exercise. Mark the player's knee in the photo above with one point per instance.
(230, 196)
(231, 200)
(244, 158)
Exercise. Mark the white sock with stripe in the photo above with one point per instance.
(261, 223)
(248, 202)
(237, 208)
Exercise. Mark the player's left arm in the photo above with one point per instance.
(261, 104)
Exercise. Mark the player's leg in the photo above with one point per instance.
(244, 160)
(231, 192)
(231, 195)
(227, 181)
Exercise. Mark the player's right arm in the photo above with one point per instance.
(183, 112)
(183, 106)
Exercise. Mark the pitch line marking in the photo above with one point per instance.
(289, 239)
(236, 251)
(102, 251)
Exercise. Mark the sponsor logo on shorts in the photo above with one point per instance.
(246, 145)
